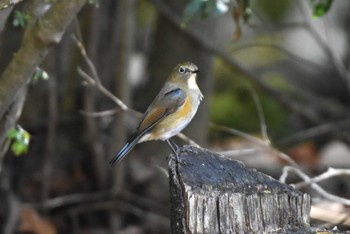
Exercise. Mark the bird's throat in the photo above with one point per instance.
(191, 82)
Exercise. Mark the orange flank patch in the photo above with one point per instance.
(184, 110)
(165, 124)
(152, 117)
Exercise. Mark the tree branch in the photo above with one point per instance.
(313, 185)
(39, 37)
(331, 172)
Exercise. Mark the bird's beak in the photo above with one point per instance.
(196, 71)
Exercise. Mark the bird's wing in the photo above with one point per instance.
(165, 104)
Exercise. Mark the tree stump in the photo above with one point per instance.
(213, 194)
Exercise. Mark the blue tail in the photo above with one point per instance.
(125, 150)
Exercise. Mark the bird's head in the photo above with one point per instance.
(185, 74)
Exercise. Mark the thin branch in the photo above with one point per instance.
(95, 78)
(314, 186)
(316, 131)
(145, 214)
(330, 106)
(331, 172)
(294, 57)
(240, 152)
(239, 133)
(89, 198)
(187, 139)
(335, 59)
(263, 144)
(263, 126)
(100, 113)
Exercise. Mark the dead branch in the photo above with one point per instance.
(313, 185)
(316, 131)
(95, 79)
(263, 126)
(331, 172)
(262, 144)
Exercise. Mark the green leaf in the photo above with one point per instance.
(12, 133)
(20, 19)
(18, 148)
(20, 140)
(320, 7)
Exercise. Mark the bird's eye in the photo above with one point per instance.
(182, 69)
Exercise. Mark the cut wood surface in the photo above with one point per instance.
(213, 194)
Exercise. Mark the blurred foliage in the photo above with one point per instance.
(320, 7)
(275, 10)
(96, 3)
(204, 8)
(232, 105)
(50, 1)
(239, 11)
(20, 140)
(20, 19)
(145, 13)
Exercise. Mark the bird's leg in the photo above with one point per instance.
(173, 146)
(175, 149)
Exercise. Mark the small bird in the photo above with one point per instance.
(170, 112)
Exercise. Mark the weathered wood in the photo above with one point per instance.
(213, 194)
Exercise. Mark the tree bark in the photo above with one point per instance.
(38, 39)
(212, 194)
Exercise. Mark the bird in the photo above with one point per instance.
(170, 112)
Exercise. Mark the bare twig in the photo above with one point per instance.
(105, 200)
(50, 147)
(126, 207)
(239, 133)
(264, 145)
(100, 113)
(88, 198)
(284, 51)
(316, 187)
(315, 131)
(335, 59)
(331, 172)
(240, 152)
(261, 116)
(95, 78)
(187, 139)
